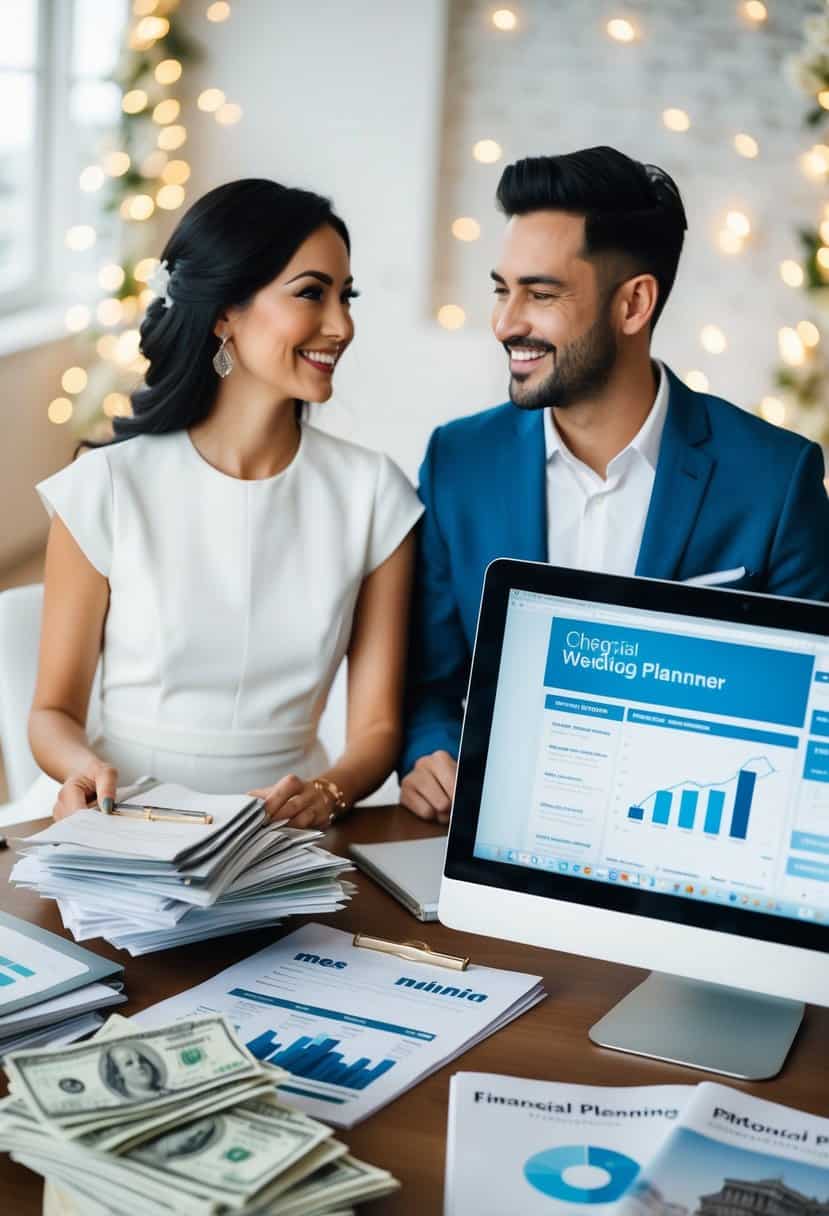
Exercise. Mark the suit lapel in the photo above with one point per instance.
(520, 531)
(682, 475)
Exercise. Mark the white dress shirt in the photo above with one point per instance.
(596, 523)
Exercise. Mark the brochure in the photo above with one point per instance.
(541, 1147)
(355, 1027)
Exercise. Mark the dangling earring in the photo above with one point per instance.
(222, 360)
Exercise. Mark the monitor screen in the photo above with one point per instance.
(674, 756)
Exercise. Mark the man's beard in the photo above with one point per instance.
(580, 372)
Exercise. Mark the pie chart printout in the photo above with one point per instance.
(581, 1173)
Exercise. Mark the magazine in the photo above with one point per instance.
(671, 1150)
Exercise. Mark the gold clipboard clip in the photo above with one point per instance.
(412, 952)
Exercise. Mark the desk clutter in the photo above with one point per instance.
(50, 990)
(178, 1119)
(173, 866)
(539, 1147)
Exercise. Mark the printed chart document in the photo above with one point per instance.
(655, 1150)
(356, 1028)
(538, 1147)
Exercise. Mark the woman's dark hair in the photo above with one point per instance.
(631, 210)
(231, 243)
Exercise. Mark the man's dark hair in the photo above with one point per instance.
(631, 210)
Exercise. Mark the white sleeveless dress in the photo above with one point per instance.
(231, 602)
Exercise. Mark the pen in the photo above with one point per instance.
(161, 814)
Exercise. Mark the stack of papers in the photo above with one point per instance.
(147, 885)
(355, 1028)
(50, 990)
(181, 1119)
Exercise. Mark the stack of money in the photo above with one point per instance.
(179, 1119)
(189, 867)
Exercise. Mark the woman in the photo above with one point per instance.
(221, 555)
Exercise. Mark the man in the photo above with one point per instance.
(604, 460)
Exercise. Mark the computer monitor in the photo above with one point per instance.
(644, 778)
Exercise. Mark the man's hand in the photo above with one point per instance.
(428, 789)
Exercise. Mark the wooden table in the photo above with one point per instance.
(549, 1042)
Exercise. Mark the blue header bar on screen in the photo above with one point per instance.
(644, 665)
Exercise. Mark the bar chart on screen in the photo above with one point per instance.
(702, 791)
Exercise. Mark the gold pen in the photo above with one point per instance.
(160, 814)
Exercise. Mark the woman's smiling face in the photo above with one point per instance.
(292, 334)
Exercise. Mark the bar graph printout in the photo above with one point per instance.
(687, 755)
(355, 1028)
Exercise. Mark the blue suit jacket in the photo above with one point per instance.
(730, 490)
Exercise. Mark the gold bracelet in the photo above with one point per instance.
(330, 789)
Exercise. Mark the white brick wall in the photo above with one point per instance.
(559, 83)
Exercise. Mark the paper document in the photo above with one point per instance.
(29, 967)
(653, 1150)
(740, 1153)
(541, 1147)
(355, 1028)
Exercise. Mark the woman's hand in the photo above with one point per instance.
(95, 783)
(302, 803)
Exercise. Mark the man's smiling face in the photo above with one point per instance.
(551, 312)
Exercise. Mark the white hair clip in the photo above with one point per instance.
(159, 282)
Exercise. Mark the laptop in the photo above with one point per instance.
(410, 870)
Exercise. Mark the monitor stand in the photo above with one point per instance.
(702, 1025)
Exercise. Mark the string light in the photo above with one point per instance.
(487, 151)
(111, 277)
(77, 318)
(145, 269)
(73, 380)
(773, 410)
(138, 207)
(92, 178)
(228, 114)
(176, 172)
(170, 138)
(738, 223)
(791, 273)
(823, 98)
(108, 311)
(166, 111)
(621, 30)
(791, 346)
(220, 11)
(169, 198)
(822, 257)
(210, 100)
(504, 19)
(134, 101)
(150, 30)
(116, 164)
(815, 162)
(126, 346)
(451, 316)
(808, 333)
(117, 405)
(746, 145)
(824, 231)
(755, 10)
(80, 237)
(107, 345)
(60, 410)
(676, 120)
(713, 339)
(697, 380)
(465, 228)
(168, 71)
(143, 8)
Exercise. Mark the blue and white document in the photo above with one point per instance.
(547, 1149)
(356, 1028)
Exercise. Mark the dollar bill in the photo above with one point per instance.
(130, 1074)
(344, 1181)
(234, 1151)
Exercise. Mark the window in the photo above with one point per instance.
(59, 113)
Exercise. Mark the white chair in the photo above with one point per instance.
(20, 612)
